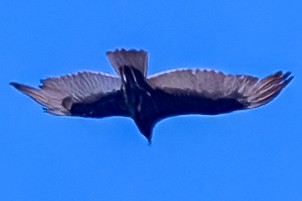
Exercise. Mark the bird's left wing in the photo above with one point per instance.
(78, 94)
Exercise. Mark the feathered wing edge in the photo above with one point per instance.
(131, 58)
(250, 91)
(267, 89)
(52, 104)
(58, 94)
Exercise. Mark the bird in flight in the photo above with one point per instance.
(149, 99)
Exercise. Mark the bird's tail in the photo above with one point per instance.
(128, 58)
(267, 89)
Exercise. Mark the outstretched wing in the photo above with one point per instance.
(82, 94)
(206, 92)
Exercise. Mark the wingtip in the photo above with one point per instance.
(14, 84)
(18, 86)
(288, 77)
(269, 88)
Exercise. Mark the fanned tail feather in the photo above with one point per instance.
(130, 58)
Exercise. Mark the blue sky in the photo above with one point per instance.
(249, 155)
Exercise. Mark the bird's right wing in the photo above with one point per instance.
(182, 92)
(209, 92)
(78, 94)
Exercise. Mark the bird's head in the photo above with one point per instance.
(146, 130)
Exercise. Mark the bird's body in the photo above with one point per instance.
(148, 100)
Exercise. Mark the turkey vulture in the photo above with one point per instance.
(148, 100)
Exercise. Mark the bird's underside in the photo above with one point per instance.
(148, 100)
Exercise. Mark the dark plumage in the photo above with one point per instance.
(148, 100)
